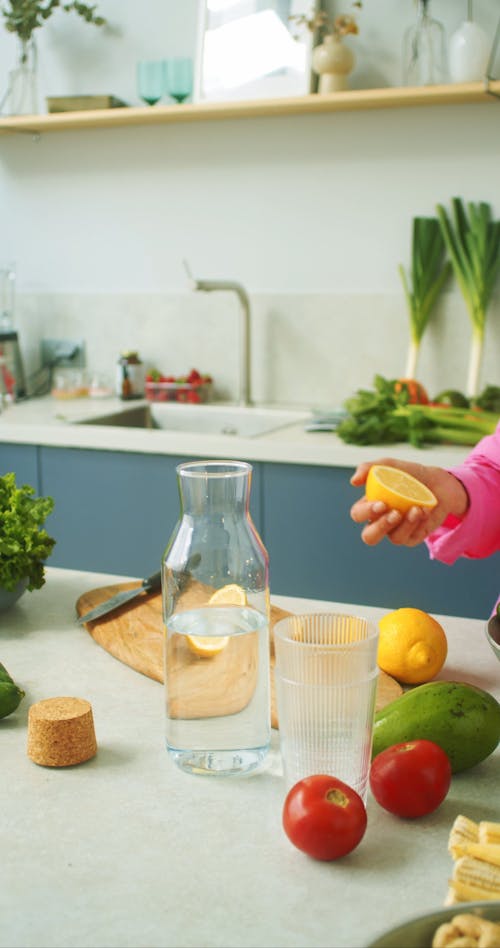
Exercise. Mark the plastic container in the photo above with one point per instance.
(197, 393)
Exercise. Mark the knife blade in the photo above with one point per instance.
(148, 585)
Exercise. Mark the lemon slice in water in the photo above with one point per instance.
(209, 645)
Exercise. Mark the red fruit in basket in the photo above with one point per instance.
(194, 376)
(193, 397)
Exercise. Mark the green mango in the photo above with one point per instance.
(4, 675)
(462, 719)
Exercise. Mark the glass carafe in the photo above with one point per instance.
(216, 611)
(424, 50)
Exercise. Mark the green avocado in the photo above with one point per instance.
(462, 719)
(10, 695)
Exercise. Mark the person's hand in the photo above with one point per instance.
(413, 527)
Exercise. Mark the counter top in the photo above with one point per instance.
(126, 850)
(49, 421)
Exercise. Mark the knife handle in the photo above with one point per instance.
(152, 582)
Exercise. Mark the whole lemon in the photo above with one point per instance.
(412, 646)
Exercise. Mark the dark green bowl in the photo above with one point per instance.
(419, 932)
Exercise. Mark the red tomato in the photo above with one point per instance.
(324, 817)
(411, 779)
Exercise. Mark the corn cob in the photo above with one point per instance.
(480, 875)
(489, 833)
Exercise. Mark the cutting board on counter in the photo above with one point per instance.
(134, 635)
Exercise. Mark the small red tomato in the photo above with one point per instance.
(324, 817)
(411, 779)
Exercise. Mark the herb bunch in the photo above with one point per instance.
(24, 544)
(384, 415)
(23, 17)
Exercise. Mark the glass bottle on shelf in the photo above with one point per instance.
(424, 50)
(469, 50)
(216, 609)
(21, 95)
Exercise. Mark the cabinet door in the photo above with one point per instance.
(22, 459)
(315, 551)
(114, 512)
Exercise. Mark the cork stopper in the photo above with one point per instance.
(61, 732)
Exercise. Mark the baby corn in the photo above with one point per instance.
(463, 831)
(475, 848)
(488, 852)
(479, 874)
(489, 833)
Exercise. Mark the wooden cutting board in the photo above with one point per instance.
(134, 635)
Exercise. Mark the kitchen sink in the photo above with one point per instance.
(233, 420)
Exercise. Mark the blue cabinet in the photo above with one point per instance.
(115, 511)
(315, 551)
(22, 459)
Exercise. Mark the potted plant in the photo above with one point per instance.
(24, 544)
(331, 59)
(23, 17)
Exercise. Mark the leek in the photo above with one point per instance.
(472, 239)
(422, 285)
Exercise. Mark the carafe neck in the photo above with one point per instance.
(214, 488)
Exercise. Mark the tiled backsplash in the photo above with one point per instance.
(310, 350)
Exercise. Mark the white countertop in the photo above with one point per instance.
(50, 421)
(126, 850)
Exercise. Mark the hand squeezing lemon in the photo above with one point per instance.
(398, 490)
(208, 646)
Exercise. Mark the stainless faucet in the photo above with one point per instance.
(208, 286)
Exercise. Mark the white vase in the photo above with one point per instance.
(468, 53)
(333, 62)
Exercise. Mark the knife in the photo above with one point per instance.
(148, 585)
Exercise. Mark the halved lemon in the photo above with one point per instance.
(231, 595)
(397, 489)
(210, 645)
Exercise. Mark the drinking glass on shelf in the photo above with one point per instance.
(179, 78)
(151, 80)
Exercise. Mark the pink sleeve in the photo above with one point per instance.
(478, 534)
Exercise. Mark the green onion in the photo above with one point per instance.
(428, 273)
(472, 239)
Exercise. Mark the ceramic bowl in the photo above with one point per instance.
(10, 596)
(419, 932)
(492, 631)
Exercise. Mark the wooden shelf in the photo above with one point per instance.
(349, 101)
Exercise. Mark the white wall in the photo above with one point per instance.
(312, 213)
